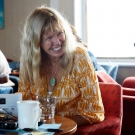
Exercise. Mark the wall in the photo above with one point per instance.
(125, 71)
(66, 7)
(15, 12)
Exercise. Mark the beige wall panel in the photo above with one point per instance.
(15, 12)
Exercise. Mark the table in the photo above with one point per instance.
(15, 73)
(7, 88)
(9, 83)
(68, 126)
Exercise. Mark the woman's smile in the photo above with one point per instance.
(56, 48)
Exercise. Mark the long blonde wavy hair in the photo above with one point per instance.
(42, 20)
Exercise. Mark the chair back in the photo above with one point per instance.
(104, 77)
(112, 99)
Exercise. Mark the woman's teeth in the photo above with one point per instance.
(55, 49)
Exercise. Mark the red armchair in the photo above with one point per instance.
(129, 82)
(128, 123)
(104, 77)
(112, 100)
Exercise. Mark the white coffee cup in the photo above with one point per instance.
(29, 114)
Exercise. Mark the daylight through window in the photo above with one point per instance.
(111, 27)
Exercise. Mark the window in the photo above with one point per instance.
(111, 28)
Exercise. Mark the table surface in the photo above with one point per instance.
(68, 126)
(9, 83)
(16, 73)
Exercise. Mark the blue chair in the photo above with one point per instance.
(15, 80)
(6, 90)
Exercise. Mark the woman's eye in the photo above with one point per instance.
(48, 38)
(60, 33)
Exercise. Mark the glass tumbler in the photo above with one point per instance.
(47, 104)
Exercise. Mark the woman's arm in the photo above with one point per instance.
(90, 106)
(79, 120)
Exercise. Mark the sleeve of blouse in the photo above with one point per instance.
(90, 106)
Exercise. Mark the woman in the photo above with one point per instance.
(53, 63)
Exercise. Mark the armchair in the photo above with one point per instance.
(112, 100)
(129, 82)
(128, 123)
(104, 77)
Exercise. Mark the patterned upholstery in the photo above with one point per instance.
(112, 100)
(128, 123)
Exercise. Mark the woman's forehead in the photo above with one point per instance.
(50, 33)
(52, 30)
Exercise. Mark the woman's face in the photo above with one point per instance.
(53, 43)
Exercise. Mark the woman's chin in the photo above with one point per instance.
(58, 53)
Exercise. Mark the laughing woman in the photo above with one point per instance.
(53, 63)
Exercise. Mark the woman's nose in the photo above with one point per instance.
(56, 40)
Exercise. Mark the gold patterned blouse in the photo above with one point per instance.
(77, 92)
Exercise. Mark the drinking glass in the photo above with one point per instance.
(47, 104)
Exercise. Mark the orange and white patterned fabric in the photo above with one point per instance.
(77, 93)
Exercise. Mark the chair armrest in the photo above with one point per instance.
(129, 98)
(128, 91)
